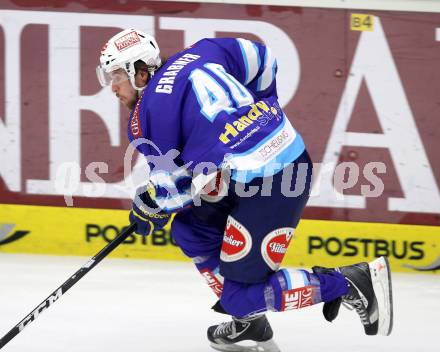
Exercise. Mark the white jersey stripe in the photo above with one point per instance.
(265, 151)
(268, 74)
(297, 279)
(251, 58)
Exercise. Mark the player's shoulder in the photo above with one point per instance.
(213, 46)
(170, 79)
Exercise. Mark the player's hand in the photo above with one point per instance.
(146, 214)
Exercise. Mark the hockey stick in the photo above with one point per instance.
(66, 285)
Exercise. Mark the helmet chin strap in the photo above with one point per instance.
(133, 83)
(140, 89)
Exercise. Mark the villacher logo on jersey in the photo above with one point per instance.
(7, 235)
(274, 246)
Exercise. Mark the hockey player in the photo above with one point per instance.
(227, 162)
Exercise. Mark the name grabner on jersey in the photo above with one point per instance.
(165, 84)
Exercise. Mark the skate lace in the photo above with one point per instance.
(224, 329)
(351, 303)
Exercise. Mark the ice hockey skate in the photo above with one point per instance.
(243, 335)
(369, 294)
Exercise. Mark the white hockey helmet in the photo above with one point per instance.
(122, 51)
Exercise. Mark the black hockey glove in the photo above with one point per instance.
(145, 212)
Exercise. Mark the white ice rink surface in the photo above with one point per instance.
(150, 306)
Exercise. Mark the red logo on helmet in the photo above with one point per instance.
(127, 41)
(275, 245)
(237, 241)
(104, 47)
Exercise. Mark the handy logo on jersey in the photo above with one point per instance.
(259, 112)
(127, 41)
(274, 246)
(297, 298)
(237, 241)
(213, 282)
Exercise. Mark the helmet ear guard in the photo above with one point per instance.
(123, 50)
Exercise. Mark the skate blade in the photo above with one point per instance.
(266, 346)
(381, 278)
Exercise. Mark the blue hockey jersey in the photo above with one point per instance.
(215, 102)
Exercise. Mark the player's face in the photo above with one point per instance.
(123, 89)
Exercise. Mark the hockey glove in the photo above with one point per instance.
(145, 212)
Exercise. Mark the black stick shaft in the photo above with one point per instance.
(66, 285)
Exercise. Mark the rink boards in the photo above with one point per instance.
(83, 232)
(358, 80)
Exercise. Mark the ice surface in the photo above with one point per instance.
(151, 306)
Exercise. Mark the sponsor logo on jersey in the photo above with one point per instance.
(237, 241)
(298, 298)
(135, 123)
(274, 246)
(7, 235)
(127, 41)
(274, 145)
(213, 282)
(259, 115)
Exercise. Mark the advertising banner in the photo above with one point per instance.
(82, 231)
(361, 86)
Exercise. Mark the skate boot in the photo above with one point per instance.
(243, 335)
(369, 294)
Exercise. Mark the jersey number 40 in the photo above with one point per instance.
(212, 96)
